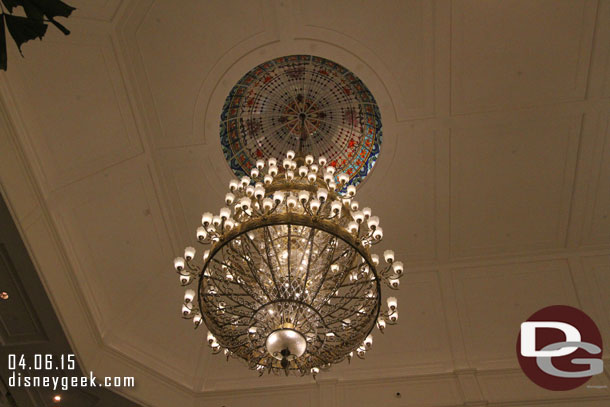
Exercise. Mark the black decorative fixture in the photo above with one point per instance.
(38, 13)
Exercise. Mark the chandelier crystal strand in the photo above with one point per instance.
(287, 281)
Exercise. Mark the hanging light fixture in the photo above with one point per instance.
(287, 281)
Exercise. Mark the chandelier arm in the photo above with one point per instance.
(238, 270)
(311, 237)
(343, 274)
(253, 270)
(246, 293)
(192, 267)
(323, 279)
(288, 245)
(268, 255)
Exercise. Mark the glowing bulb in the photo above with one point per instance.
(225, 213)
(189, 253)
(189, 295)
(179, 263)
(206, 219)
(398, 268)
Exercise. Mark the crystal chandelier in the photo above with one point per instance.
(289, 282)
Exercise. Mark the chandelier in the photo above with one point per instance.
(287, 281)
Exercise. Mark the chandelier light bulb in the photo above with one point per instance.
(260, 164)
(398, 268)
(179, 263)
(322, 194)
(259, 192)
(206, 219)
(351, 190)
(189, 253)
(290, 154)
(303, 196)
(189, 295)
(278, 197)
(392, 303)
(186, 311)
(314, 205)
(309, 159)
(388, 255)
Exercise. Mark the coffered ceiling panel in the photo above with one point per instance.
(511, 184)
(179, 351)
(519, 290)
(190, 40)
(413, 154)
(114, 251)
(399, 33)
(424, 345)
(81, 79)
(510, 53)
(191, 196)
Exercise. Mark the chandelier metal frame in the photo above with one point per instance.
(250, 295)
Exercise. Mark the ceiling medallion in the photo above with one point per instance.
(261, 117)
(288, 282)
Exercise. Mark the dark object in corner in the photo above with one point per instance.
(34, 25)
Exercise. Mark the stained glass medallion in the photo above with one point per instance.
(266, 110)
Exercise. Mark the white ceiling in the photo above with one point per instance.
(493, 182)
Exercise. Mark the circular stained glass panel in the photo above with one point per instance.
(301, 101)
